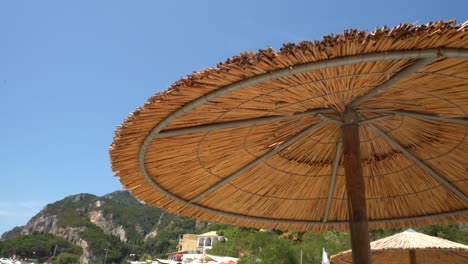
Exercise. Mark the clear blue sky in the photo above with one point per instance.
(71, 71)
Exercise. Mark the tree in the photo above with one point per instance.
(38, 246)
(66, 258)
(145, 257)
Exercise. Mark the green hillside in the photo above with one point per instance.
(117, 227)
(143, 229)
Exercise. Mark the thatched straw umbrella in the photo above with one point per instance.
(359, 128)
(411, 247)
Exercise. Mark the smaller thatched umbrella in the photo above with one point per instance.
(411, 247)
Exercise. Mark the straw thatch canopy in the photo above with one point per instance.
(399, 248)
(256, 141)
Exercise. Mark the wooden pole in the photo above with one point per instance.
(412, 255)
(355, 188)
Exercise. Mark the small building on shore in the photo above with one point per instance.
(192, 243)
(193, 246)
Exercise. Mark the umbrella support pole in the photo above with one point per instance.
(355, 188)
(412, 255)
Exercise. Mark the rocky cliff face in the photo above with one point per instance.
(41, 223)
(48, 225)
(107, 225)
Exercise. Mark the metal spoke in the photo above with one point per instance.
(336, 162)
(237, 123)
(330, 119)
(462, 120)
(258, 160)
(394, 79)
(421, 164)
(372, 120)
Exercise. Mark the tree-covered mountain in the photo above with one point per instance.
(86, 228)
(112, 227)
